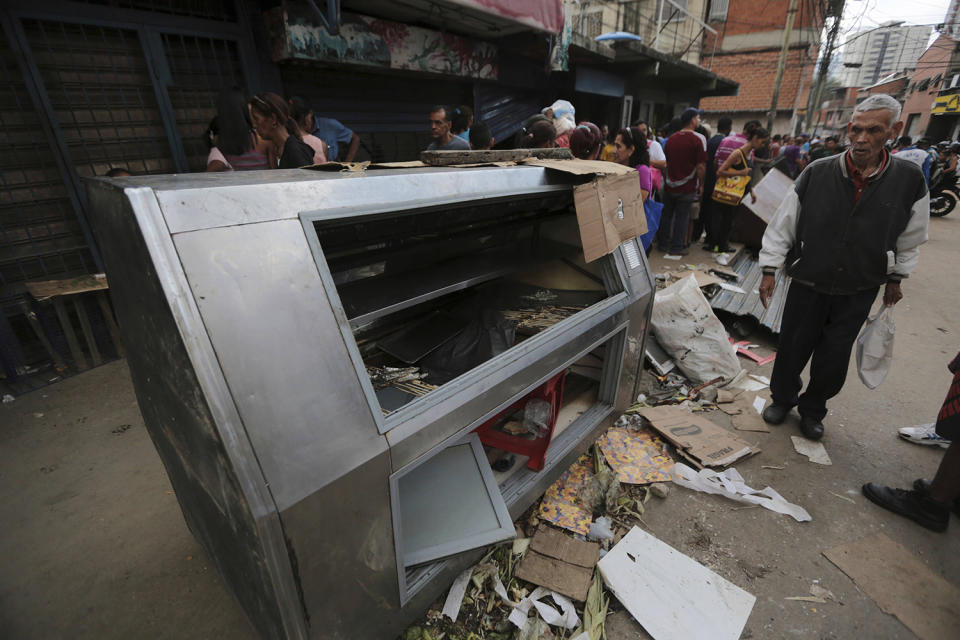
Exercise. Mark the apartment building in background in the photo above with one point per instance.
(874, 54)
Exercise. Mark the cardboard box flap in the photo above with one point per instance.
(609, 212)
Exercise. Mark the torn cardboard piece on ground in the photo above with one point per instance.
(671, 595)
(637, 456)
(731, 485)
(559, 563)
(901, 585)
(698, 440)
(561, 504)
(814, 451)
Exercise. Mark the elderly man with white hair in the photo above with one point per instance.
(850, 224)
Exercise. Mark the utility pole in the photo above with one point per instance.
(816, 95)
(787, 29)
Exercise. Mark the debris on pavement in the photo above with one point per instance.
(819, 592)
(7, 398)
(451, 607)
(638, 457)
(814, 599)
(660, 490)
(561, 503)
(731, 485)
(814, 450)
(697, 439)
(745, 349)
(670, 594)
(657, 357)
(901, 585)
(559, 563)
(567, 616)
(691, 334)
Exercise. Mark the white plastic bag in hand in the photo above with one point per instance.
(875, 347)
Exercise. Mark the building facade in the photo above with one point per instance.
(746, 48)
(874, 54)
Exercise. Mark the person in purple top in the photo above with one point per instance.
(792, 152)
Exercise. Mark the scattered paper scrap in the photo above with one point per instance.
(636, 456)
(567, 616)
(814, 450)
(670, 256)
(670, 594)
(560, 563)
(850, 500)
(561, 504)
(697, 439)
(771, 466)
(758, 403)
(901, 585)
(451, 607)
(731, 484)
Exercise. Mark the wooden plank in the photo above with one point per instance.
(87, 331)
(78, 358)
(901, 585)
(34, 323)
(449, 158)
(104, 301)
(46, 289)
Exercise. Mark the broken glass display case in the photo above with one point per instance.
(321, 359)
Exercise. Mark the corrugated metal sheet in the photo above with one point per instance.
(748, 304)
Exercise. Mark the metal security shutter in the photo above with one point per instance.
(40, 235)
(212, 9)
(102, 97)
(199, 69)
(505, 109)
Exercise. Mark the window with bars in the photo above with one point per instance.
(40, 235)
(199, 69)
(718, 10)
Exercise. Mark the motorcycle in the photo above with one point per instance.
(944, 193)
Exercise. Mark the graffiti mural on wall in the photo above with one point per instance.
(380, 43)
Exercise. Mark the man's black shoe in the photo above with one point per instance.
(922, 486)
(811, 428)
(909, 504)
(776, 413)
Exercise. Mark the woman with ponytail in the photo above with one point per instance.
(272, 121)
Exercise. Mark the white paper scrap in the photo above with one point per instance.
(814, 451)
(671, 595)
(731, 287)
(762, 379)
(670, 256)
(451, 607)
(758, 404)
(731, 484)
(568, 619)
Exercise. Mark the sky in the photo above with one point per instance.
(859, 15)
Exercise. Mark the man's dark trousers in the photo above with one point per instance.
(672, 236)
(823, 326)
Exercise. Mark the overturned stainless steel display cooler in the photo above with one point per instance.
(320, 357)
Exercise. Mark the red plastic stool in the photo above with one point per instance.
(552, 392)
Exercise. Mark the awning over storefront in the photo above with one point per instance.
(477, 18)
